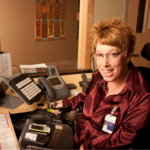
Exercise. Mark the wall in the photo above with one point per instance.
(142, 38)
(17, 34)
(107, 9)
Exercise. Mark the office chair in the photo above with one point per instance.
(145, 53)
(142, 140)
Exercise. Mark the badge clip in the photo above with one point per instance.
(109, 121)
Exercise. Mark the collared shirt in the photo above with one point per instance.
(133, 106)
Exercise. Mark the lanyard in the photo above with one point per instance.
(113, 110)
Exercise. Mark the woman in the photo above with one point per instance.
(116, 106)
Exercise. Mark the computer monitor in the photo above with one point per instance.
(6, 100)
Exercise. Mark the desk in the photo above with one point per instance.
(73, 78)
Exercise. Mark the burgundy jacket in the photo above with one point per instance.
(133, 106)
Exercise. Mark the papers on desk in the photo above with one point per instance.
(5, 65)
(37, 68)
(7, 141)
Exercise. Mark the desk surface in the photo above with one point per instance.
(74, 78)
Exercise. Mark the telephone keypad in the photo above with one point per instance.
(23, 83)
(62, 91)
(30, 90)
(25, 87)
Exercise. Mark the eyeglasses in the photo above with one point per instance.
(110, 55)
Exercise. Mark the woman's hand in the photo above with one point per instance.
(58, 105)
(81, 147)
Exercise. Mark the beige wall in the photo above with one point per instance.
(17, 34)
(107, 9)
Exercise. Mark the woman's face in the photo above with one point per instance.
(113, 64)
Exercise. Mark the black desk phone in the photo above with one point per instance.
(54, 86)
(24, 87)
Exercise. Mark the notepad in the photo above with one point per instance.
(6, 137)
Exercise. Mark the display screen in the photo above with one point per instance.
(53, 71)
(55, 81)
(37, 127)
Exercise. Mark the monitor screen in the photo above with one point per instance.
(55, 81)
(53, 71)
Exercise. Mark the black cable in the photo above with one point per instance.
(9, 80)
(92, 59)
(5, 78)
(20, 71)
(18, 68)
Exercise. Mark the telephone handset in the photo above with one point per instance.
(24, 87)
(54, 86)
(47, 89)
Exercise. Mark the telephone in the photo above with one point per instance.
(54, 86)
(52, 71)
(24, 87)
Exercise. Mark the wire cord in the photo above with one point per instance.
(5, 78)
(92, 59)
(18, 68)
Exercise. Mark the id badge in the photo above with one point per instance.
(109, 122)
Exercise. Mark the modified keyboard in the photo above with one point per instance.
(47, 115)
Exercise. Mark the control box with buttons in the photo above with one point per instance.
(25, 88)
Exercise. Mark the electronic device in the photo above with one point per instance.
(60, 137)
(54, 86)
(24, 87)
(85, 82)
(35, 137)
(71, 86)
(39, 127)
(84, 77)
(59, 119)
(52, 71)
(31, 147)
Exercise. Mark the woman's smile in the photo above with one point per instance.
(113, 69)
(108, 73)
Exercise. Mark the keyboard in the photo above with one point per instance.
(37, 112)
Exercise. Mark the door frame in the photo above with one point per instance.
(85, 24)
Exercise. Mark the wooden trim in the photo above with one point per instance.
(65, 72)
(85, 24)
(145, 17)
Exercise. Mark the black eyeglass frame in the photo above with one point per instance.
(106, 54)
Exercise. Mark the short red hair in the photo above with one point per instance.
(114, 32)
